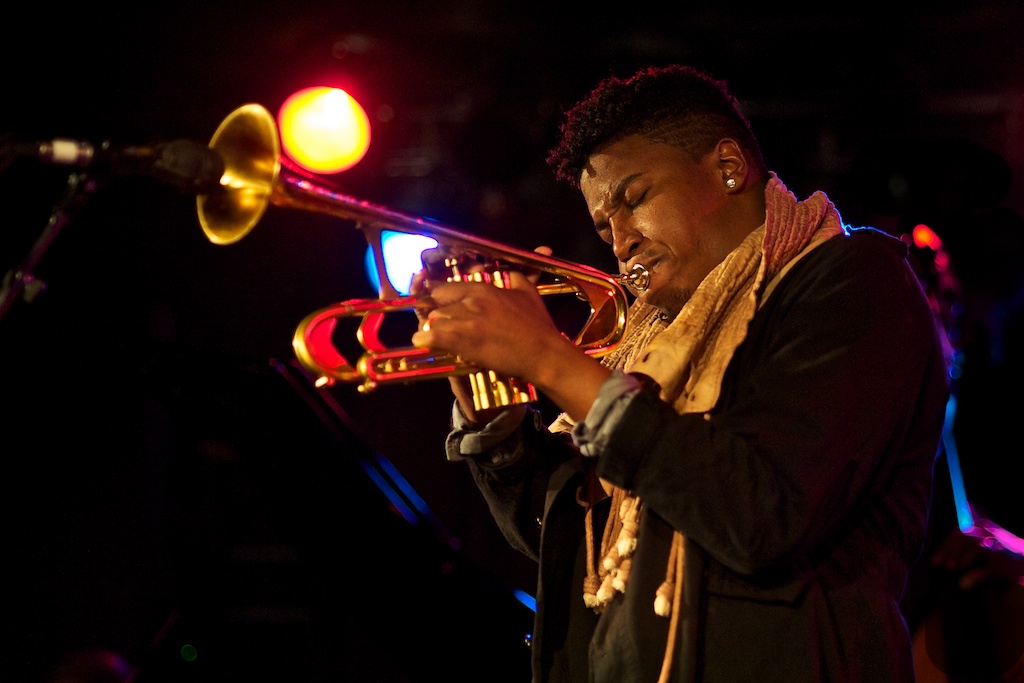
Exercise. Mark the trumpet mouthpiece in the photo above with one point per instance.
(638, 278)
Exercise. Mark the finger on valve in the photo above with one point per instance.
(433, 261)
(419, 287)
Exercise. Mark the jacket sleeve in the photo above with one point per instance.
(520, 475)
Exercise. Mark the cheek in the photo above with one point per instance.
(673, 230)
(661, 222)
(684, 226)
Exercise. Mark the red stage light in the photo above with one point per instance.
(925, 237)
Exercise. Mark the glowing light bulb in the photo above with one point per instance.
(323, 129)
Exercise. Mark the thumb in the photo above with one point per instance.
(534, 277)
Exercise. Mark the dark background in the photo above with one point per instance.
(170, 477)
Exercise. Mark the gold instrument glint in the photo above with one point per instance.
(256, 176)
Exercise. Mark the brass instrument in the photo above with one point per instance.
(256, 175)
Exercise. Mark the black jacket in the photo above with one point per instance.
(803, 496)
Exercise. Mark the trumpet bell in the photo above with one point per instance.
(248, 142)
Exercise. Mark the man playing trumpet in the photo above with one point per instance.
(734, 493)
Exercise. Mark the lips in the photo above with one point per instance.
(645, 261)
(639, 277)
(642, 260)
(648, 259)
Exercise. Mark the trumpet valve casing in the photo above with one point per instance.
(491, 390)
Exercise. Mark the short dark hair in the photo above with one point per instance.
(677, 105)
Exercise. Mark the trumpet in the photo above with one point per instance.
(256, 176)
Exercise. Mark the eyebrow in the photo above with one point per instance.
(617, 194)
(620, 187)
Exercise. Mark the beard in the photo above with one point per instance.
(670, 301)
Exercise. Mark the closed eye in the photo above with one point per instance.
(633, 202)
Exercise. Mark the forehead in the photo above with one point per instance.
(616, 162)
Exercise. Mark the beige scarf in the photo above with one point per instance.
(688, 357)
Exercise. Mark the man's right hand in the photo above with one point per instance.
(461, 387)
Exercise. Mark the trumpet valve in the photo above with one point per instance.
(491, 390)
(469, 270)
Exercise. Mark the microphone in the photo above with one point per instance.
(185, 164)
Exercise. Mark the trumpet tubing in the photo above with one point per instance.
(257, 176)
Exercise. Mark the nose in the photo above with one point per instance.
(625, 239)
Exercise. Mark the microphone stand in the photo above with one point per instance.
(189, 166)
(21, 281)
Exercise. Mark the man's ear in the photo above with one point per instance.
(732, 163)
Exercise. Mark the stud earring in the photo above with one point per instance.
(730, 183)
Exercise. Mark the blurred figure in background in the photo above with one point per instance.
(965, 598)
